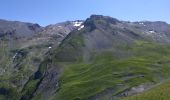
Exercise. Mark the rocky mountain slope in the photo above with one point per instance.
(20, 29)
(101, 58)
(23, 47)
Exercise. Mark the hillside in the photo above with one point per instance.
(113, 59)
(104, 59)
(101, 58)
(23, 46)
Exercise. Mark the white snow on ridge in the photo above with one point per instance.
(82, 26)
(77, 24)
(152, 32)
(15, 56)
(141, 23)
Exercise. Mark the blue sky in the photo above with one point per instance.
(46, 12)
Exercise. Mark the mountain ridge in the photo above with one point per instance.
(96, 55)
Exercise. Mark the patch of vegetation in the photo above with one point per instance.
(70, 50)
(32, 84)
(8, 92)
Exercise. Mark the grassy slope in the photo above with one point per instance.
(66, 52)
(81, 80)
(161, 92)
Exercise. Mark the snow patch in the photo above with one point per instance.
(15, 56)
(82, 26)
(141, 23)
(77, 23)
(152, 32)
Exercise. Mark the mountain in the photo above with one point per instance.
(23, 46)
(60, 28)
(101, 58)
(21, 29)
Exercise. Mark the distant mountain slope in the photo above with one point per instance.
(20, 29)
(159, 31)
(64, 27)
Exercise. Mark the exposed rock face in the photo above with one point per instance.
(61, 29)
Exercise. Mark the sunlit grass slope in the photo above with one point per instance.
(148, 63)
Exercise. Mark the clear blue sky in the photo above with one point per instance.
(47, 12)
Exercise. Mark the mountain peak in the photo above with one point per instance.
(99, 21)
(107, 18)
